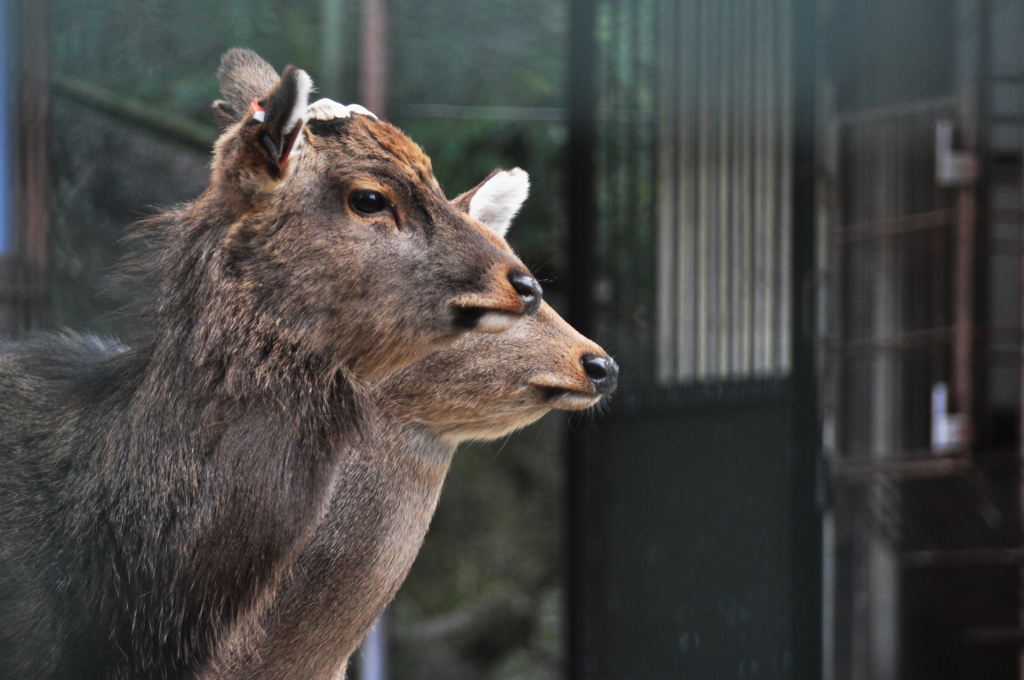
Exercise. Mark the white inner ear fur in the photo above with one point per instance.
(500, 198)
(298, 114)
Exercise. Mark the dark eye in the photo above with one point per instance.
(367, 201)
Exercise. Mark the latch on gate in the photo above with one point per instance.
(949, 430)
(952, 168)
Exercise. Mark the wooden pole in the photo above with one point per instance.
(375, 62)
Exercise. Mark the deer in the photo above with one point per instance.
(480, 388)
(154, 492)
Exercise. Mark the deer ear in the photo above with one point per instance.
(257, 144)
(497, 199)
(243, 76)
(280, 114)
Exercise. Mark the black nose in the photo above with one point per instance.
(528, 289)
(602, 371)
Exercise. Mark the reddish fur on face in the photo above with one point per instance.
(371, 292)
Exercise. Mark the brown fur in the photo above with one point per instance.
(150, 498)
(481, 388)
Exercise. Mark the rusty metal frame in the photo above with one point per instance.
(23, 272)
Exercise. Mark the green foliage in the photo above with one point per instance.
(484, 599)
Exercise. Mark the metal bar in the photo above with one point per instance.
(687, 330)
(1009, 636)
(899, 341)
(771, 257)
(963, 304)
(332, 43)
(552, 114)
(963, 558)
(8, 90)
(32, 179)
(723, 231)
(583, 573)
(704, 117)
(1020, 412)
(897, 225)
(375, 56)
(762, 82)
(669, 220)
(886, 464)
(744, 193)
(927, 106)
(785, 169)
(374, 647)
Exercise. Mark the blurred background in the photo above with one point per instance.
(797, 224)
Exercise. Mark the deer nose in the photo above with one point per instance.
(528, 289)
(602, 371)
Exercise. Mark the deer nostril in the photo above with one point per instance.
(528, 289)
(602, 371)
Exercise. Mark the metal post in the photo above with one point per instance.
(331, 46)
(374, 662)
(805, 606)
(23, 255)
(582, 223)
(375, 66)
(6, 94)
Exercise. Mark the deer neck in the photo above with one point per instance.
(382, 503)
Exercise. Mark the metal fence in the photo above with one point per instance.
(694, 190)
(724, 193)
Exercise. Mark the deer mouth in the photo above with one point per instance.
(566, 399)
(485, 320)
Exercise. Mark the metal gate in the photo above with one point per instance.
(694, 543)
(920, 387)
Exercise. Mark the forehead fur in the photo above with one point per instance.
(369, 139)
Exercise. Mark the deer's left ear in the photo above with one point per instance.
(497, 199)
(261, 117)
(272, 122)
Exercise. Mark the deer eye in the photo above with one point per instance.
(367, 202)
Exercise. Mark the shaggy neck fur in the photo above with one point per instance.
(189, 472)
(378, 516)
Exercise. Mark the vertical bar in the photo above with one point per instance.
(374, 92)
(771, 195)
(724, 222)
(7, 240)
(374, 649)
(963, 303)
(32, 179)
(704, 118)
(745, 193)
(331, 46)
(762, 82)
(1020, 417)
(805, 599)
(632, 150)
(582, 139)
(686, 24)
(375, 58)
(581, 104)
(669, 222)
(786, 181)
(29, 233)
